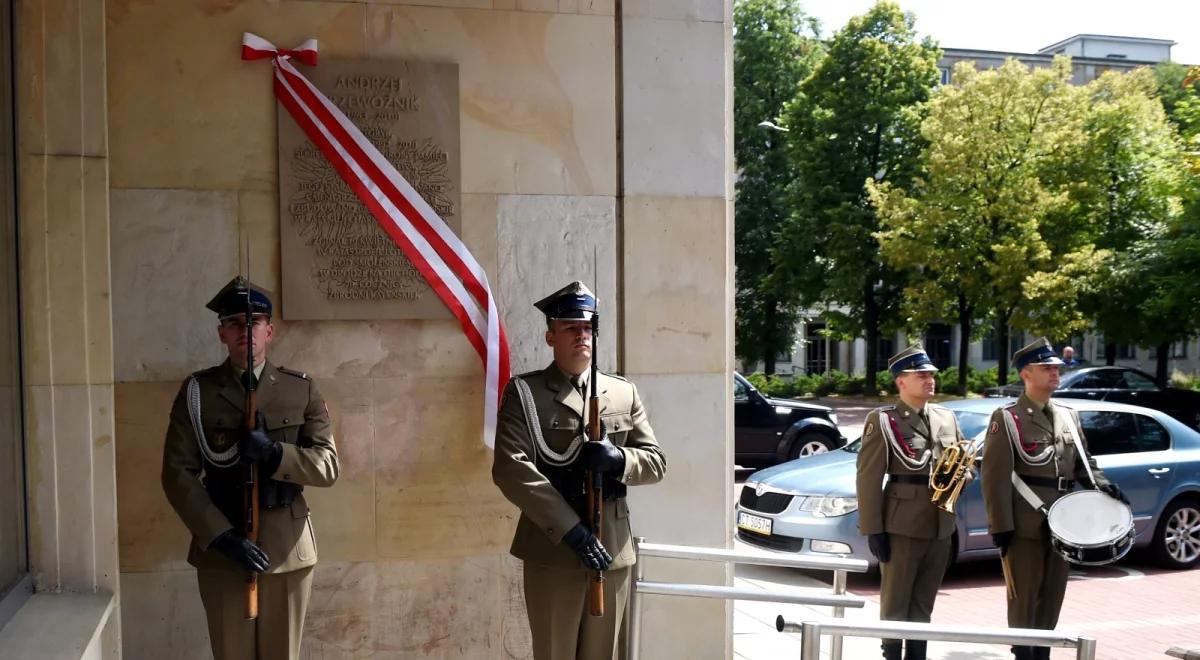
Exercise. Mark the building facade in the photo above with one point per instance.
(144, 154)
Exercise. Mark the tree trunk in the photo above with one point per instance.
(871, 331)
(1110, 353)
(1003, 357)
(1161, 364)
(770, 335)
(964, 342)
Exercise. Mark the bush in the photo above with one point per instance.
(886, 382)
(1184, 381)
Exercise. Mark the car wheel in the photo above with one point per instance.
(808, 444)
(1177, 537)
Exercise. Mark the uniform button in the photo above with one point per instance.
(285, 420)
(287, 477)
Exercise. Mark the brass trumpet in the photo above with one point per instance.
(949, 474)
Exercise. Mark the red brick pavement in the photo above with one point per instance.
(1134, 610)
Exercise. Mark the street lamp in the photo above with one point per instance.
(766, 123)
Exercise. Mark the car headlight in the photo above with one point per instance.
(833, 418)
(829, 506)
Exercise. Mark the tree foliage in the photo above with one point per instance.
(775, 48)
(855, 119)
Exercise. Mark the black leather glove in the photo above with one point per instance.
(880, 546)
(1002, 541)
(602, 456)
(585, 544)
(259, 448)
(242, 552)
(1114, 491)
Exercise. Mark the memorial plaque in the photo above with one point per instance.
(336, 261)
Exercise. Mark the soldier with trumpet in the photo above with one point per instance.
(543, 464)
(909, 518)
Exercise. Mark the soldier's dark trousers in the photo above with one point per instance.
(1039, 583)
(561, 627)
(282, 602)
(910, 579)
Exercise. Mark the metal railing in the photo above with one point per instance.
(811, 631)
(836, 597)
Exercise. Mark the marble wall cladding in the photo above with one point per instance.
(675, 108)
(169, 617)
(171, 251)
(679, 304)
(545, 242)
(536, 104)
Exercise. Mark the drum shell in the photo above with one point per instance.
(1105, 551)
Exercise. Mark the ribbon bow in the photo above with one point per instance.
(255, 47)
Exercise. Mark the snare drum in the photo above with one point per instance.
(1090, 528)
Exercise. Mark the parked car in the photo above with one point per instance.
(809, 505)
(1122, 385)
(769, 431)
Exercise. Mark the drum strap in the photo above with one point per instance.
(1028, 494)
(1083, 457)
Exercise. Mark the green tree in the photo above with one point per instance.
(855, 119)
(970, 226)
(1124, 188)
(775, 47)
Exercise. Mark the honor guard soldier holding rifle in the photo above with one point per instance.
(206, 459)
(541, 459)
(906, 529)
(1033, 439)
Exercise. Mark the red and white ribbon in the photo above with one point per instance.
(440, 256)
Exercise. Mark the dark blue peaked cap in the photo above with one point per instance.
(913, 358)
(231, 299)
(1039, 351)
(573, 302)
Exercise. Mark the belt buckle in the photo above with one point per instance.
(1063, 484)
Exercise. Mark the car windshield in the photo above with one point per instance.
(971, 422)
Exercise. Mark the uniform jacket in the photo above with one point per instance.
(903, 508)
(296, 416)
(545, 514)
(1006, 509)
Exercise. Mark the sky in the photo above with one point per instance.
(1029, 25)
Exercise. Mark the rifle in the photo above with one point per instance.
(595, 480)
(250, 489)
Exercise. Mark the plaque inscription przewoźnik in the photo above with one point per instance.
(336, 261)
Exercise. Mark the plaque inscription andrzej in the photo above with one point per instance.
(337, 262)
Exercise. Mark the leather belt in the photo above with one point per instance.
(909, 479)
(1061, 484)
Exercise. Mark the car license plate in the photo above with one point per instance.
(754, 523)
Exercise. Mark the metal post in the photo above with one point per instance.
(810, 641)
(635, 602)
(839, 589)
(1086, 649)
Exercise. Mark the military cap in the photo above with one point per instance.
(231, 299)
(573, 302)
(1038, 351)
(913, 358)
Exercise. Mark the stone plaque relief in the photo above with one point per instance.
(336, 260)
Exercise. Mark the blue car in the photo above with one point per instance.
(809, 506)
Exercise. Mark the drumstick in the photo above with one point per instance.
(1008, 578)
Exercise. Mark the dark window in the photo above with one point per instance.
(1109, 432)
(937, 344)
(884, 349)
(740, 391)
(14, 563)
(945, 71)
(816, 355)
(1135, 381)
(989, 346)
(1152, 436)
(1016, 341)
(1103, 379)
(1126, 352)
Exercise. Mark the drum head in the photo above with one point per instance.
(1089, 517)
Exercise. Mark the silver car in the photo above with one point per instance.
(809, 506)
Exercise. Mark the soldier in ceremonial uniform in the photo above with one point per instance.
(905, 531)
(1034, 438)
(204, 467)
(540, 459)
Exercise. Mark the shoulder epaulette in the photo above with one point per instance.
(293, 372)
(206, 372)
(620, 378)
(884, 408)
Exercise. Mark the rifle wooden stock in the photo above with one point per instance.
(250, 498)
(595, 504)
